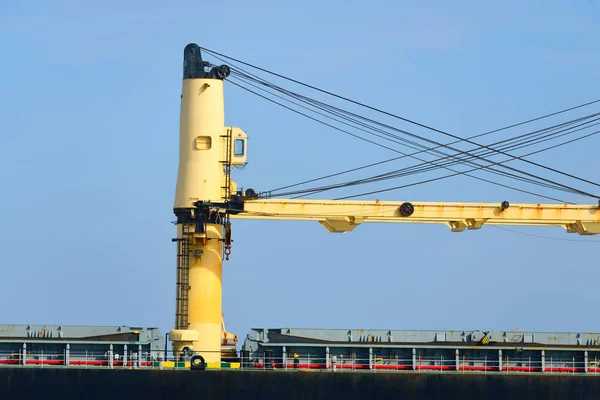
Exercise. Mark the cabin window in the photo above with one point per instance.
(239, 147)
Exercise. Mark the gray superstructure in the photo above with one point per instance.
(80, 345)
(471, 350)
(322, 349)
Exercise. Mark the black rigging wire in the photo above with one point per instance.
(406, 173)
(448, 176)
(314, 119)
(398, 140)
(457, 150)
(387, 136)
(422, 168)
(405, 155)
(342, 97)
(455, 174)
(365, 166)
(504, 173)
(259, 80)
(569, 189)
(557, 186)
(409, 121)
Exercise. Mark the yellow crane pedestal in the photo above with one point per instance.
(204, 332)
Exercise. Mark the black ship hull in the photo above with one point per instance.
(66, 384)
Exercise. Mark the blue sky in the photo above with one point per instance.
(89, 124)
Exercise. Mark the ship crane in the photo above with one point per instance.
(207, 199)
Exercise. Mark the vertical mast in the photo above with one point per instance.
(200, 180)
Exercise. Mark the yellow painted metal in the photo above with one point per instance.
(205, 295)
(182, 338)
(201, 177)
(344, 216)
(237, 153)
(227, 338)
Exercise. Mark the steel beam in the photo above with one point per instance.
(344, 216)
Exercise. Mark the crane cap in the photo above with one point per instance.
(194, 66)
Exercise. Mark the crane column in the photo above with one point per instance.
(200, 178)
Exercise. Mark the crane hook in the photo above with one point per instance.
(227, 240)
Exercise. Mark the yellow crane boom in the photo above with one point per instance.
(344, 216)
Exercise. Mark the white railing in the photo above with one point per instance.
(332, 363)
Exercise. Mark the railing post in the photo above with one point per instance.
(284, 357)
(111, 357)
(327, 358)
(370, 358)
(585, 365)
(414, 354)
(67, 354)
(543, 361)
(499, 360)
(139, 357)
(24, 358)
(484, 365)
(333, 363)
(124, 356)
(457, 361)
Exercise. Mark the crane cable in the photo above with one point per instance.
(558, 186)
(431, 180)
(448, 176)
(421, 168)
(488, 147)
(406, 120)
(447, 156)
(472, 170)
(408, 171)
(365, 166)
